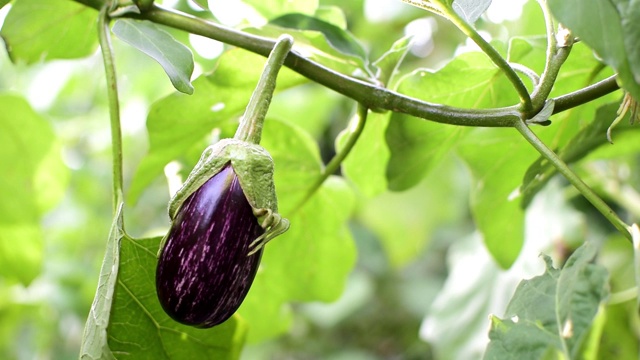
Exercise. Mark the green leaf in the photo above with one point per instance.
(139, 328)
(271, 9)
(175, 58)
(218, 99)
(37, 30)
(497, 158)
(470, 10)
(551, 312)
(340, 39)
(94, 338)
(3, 3)
(311, 261)
(389, 62)
(468, 81)
(34, 180)
(611, 29)
(127, 321)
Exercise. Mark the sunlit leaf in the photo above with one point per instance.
(34, 180)
(271, 9)
(551, 311)
(37, 30)
(470, 10)
(468, 81)
(175, 58)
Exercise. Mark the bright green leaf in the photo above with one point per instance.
(469, 81)
(175, 58)
(610, 30)
(554, 310)
(218, 99)
(271, 9)
(389, 62)
(37, 30)
(127, 321)
(497, 159)
(139, 328)
(34, 180)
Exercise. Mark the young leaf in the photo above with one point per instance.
(615, 37)
(37, 30)
(551, 312)
(175, 58)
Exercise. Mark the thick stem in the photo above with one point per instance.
(371, 96)
(250, 129)
(574, 179)
(114, 107)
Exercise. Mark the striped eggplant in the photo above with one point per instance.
(203, 271)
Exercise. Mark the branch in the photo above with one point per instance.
(369, 95)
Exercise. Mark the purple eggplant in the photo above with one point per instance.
(204, 271)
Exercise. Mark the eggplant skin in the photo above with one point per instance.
(203, 272)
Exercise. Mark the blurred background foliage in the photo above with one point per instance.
(423, 285)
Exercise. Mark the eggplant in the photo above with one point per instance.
(204, 268)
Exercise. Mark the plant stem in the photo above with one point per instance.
(250, 129)
(556, 56)
(334, 164)
(584, 95)
(467, 29)
(370, 95)
(583, 188)
(114, 106)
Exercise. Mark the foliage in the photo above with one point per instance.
(451, 189)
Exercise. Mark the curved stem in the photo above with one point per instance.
(371, 96)
(584, 95)
(114, 106)
(583, 188)
(334, 164)
(250, 129)
(556, 56)
(467, 29)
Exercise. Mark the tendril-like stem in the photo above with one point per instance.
(104, 34)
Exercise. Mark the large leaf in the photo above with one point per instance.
(178, 124)
(127, 321)
(469, 81)
(33, 180)
(175, 58)
(553, 312)
(37, 30)
(611, 29)
(311, 261)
